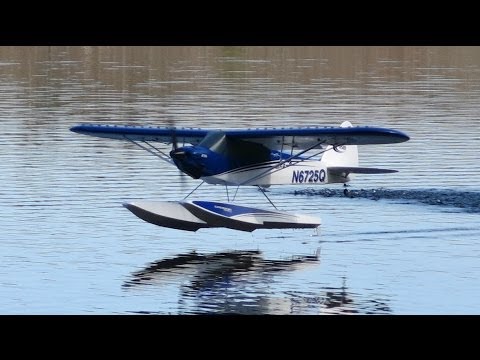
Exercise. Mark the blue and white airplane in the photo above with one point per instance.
(248, 157)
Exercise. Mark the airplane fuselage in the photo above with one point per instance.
(274, 168)
(307, 172)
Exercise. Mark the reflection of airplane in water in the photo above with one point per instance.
(243, 282)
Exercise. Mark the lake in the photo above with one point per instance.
(401, 243)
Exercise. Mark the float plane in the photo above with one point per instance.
(259, 157)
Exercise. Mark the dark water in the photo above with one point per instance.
(403, 243)
(467, 201)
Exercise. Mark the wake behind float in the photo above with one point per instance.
(194, 215)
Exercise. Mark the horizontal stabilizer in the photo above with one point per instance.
(345, 170)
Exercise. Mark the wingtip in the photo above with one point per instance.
(405, 137)
(402, 136)
(76, 128)
(397, 136)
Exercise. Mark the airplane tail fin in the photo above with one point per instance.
(345, 155)
(342, 162)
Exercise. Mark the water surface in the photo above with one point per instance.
(403, 243)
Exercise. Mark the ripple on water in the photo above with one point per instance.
(68, 246)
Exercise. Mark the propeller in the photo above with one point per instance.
(171, 124)
(175, 154)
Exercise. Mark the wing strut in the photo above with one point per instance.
(191, 192)
(235, 195)
(160, 154)
(264, 194)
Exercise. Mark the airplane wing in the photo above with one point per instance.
(274, 138)
(143, 133)
(306, 137)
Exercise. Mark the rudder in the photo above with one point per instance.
(345, 155)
